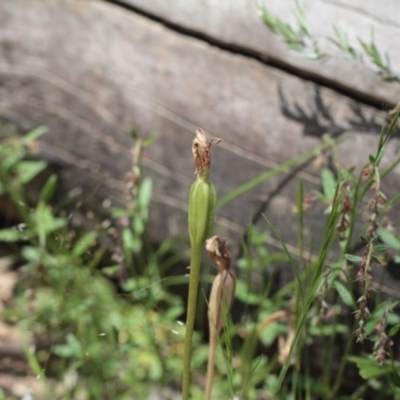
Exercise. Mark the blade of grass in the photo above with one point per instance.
(270, 174)
(330, 233)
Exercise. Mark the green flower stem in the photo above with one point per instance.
(202, 201)
(195, 264)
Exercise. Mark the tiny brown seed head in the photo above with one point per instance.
(201, 151)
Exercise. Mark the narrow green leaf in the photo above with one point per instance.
(127, 239)
(134, 134)
(395, 377)
(32, 254)
(363, 239)
(10, 235)
(300, 214)
(344, 294)
(49, 188)
(33, 135)
(380, 155)
(380, 248)
(376, 56)
(375, 259)
(302, 20)
(138, 226)
(145, 191)
(269, 20)
(72, 348)
(328, 183)
(46, 222)
(353, 258)
(369, 368)
(84, 243)
(310, 54)
(393, 331)
(130, 242)
(328, 330)
(389, 239)
(111, 270)
(27, 170)
(149, 140)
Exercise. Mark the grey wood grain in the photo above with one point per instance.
(91, 71)
(238, 24)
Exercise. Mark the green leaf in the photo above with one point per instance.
(130, 242)
(303, 23)
(291, 36)
(84, 243)
(393, 330)
(343, 42)
(138, 226)
(145, 191)
(46, 222)
(344, 294)
(328, 183)
(380, 155)
(394, 376)
(245, 295)
(49, 188)
(33, 135)
(368, 368)
(271, 332)
(27, 170)
(363, 239)
(328, 330)
(11, 235)
(310, 54)
(111, 270)
(118, 212)
(375, 259)
(380, 248)
(72, 348)
(32, 254)
(376, 56)
(389, 239)
(353, 258)
(269, 20)
(149, 140)
(134, 134)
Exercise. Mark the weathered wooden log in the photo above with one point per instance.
(238, 26)
(91, 71)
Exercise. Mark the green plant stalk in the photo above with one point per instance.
(210, 366)
(358, 192)
(327, 241)
(202, 201)
(36, 369)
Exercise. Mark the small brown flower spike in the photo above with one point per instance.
(201, 151)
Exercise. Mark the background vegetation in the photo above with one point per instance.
(99, 318)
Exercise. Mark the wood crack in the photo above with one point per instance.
(271, 61)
